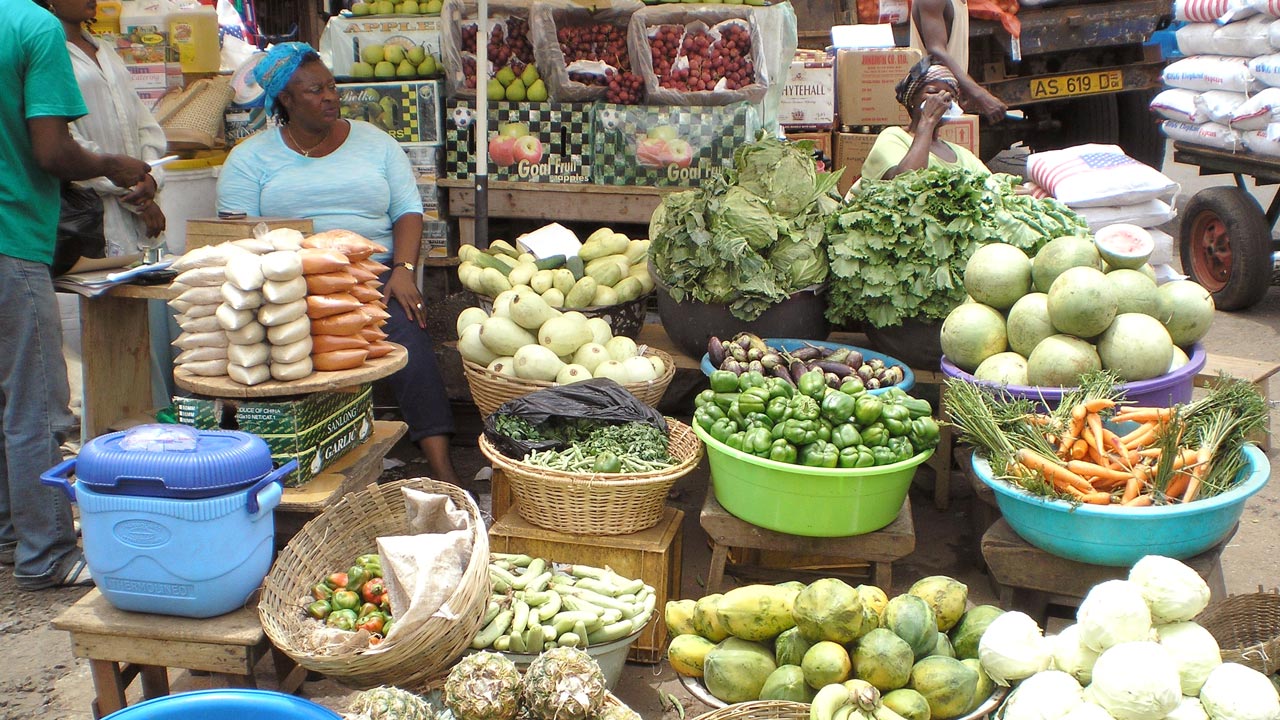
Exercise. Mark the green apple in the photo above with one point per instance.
(427, 68)
(361, 8)
(385, 7)
(663, 132)
(406, 69)
(530, 75)
(496, 91)
(394, 54)
(372, 54)
(361, 70)
(384, 69)
(408, 7)
(537, 92)
(434, 7)
(514, 130)
(505, 76)
(416, 55)
(516, 91)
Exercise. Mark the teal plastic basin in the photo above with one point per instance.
(814, 502)
(226, 704)
(1121, 536)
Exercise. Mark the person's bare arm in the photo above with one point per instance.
(917, 157)
(931, 22)
(58, 154)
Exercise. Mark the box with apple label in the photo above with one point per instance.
(667, 145)
(534, 142)
(408, 111)
(402, 47)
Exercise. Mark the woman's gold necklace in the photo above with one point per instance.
(306, 152)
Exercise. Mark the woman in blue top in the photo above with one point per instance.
(346, 174)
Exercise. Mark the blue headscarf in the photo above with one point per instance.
(274, 71)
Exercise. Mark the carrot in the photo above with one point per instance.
(1055, 473)
(1112, 441)
(1094, 422)
(1090, 470)
(1140, 501)
(1137, 441)
(1178, 485)
(1186, 456)
(1097, 405)
(1096, 498)
(1143, 415)
(1132, 488)
(1138, 431)
(1037, 419)
(1203, 457)
(1079, 450)
(1076, 427)
(1154, 452)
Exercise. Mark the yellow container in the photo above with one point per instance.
(193, 35)
(106, 19)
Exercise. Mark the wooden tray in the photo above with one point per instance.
(225, 387)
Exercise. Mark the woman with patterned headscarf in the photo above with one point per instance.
(346, 174)
(928, 92)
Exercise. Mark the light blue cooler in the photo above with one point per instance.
(176, 521)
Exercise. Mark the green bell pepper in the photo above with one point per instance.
(824, 429)
(894, 394)
(838, 407)
(901, 448)
(924, 433)
(372, 564)
(706, 415)
(735, 440)
(800, 432)
(779, 409)
(751, 379)
(706, 397)
(853, 386)
(874, 435)
(780, 388)
(344, 619)
(319, 610)
(752, 400)
(813, 384)
(819, 454)
(856, 456)
(721, 429)
(917, 407)
(884, 455)
(345, 600)
(356, 575)
(867, 409)
(758, 441)
(759, 420)
(723, 381)
(896, 419)
(782, 451)
(845, 435)
(804, 407)
(607, 462)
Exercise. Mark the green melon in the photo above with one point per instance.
(1060, 360)
(946, 596)
(789, 647)
(1082, 302)
(1124, 246)
(828, 609)
(946, 683)
(1060, 255)
(736, 670)
(997, 274)
(826, 663)
(1186, 309)
(1136, 347)
(1135, 292)
(1028, 323)
(971, 333)
(986, 686)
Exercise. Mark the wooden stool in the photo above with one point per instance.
(1257, 372)
(1030, 579)
(123, 645)
(943, 458)
(881, 548)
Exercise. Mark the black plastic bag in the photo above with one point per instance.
(600, 399)
(80, 230)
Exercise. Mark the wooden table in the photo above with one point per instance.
(880, 548)
(122, 646)
(1256, 372)
(547, 201)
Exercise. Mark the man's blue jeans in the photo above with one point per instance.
(35, 420)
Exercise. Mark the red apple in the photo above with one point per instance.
(502, 149)
(652, 151)
(679, 152)
(528, 149)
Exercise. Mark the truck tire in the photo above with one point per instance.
(1225, 245)
(1092, 119)
(1140, 134)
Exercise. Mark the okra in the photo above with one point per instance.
(521, 619)
(495, 628)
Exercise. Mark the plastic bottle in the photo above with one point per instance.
(144, 25)
(193, 34)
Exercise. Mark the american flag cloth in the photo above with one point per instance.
(1094, 175)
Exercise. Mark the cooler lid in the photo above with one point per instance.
(172, 461)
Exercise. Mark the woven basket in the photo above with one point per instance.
(330, 541)
(1247, 628)
(624, 318)
(490, 389)
(193, 118)
(596, 504)
(760, 710)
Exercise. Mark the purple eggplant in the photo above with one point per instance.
(873, 384)
(833, 381)
(780, 371)
(855, 359)
(840, 355)
(715, 351)
(806, 353)
(737, 352)
(797, 369)
(755, 354)
(771, 360)
(755, 366)
(733, 366)
(839, 369)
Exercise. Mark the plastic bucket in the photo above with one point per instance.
(1121, 536)
(611, 657)
(1164, 391)
(190, 191)
(226, 704)
(908, 377)
(813, 502)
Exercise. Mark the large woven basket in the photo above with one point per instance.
(331, 541)
(490, 389)
(1247, 628)
(624, 318)
(597, 504)
(760, 710)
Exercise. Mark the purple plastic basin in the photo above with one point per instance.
(1164, 391)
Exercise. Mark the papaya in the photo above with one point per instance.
(829, 609)
(787, 683)
(735, 670)
(873, 602)
(967, 633)
(946, 683)
(883, 659)
(986, 686)
(943, 647)
(908, 703)
(756, 612)
(679, 616)
(826, 663)
(688, 653)
(911, 618)
(789, 647)
(707, 621)
(946, 596)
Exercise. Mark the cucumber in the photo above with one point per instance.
(485, 260)
(628, 289)
(605, 295)
(562, 279)
(575, 265)
(504, 247)
(522, 274)
(550, 263)
(637, 251)
(583, 292)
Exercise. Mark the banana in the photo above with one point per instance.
(829, 700)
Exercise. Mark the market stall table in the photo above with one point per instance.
(122, 646)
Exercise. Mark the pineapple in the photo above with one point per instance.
(390, 703)
(563, 684)
(617, 711)
(483, 686)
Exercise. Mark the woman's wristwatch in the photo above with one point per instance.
(406, 265)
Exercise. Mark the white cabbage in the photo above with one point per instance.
(1237, 692)
(1193, 649)
(1088, 711)
(1013, 647)
(1113, 612)
(1136, 681)
(1173, 591)
(1189, 709)
(1072, 656)
(1048, 695)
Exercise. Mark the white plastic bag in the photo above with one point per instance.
(1257, 112)
(1178, 104)
(1264, 142)
(1266, 68)
(1199, 10)
(1212, 72)
(1219, 105)
(1214, 135)
(1244, 38)
(1144, 214)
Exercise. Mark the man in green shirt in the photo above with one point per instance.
(38, 98)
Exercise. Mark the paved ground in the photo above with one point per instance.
(42, 678)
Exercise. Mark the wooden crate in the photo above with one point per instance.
(211, 231)
(652, 555)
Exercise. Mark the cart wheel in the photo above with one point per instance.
(1226, 246)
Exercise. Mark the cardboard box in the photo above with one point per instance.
(962, 131)
(809, 93)
(344, 38)
(652, 555)
(148, 76)
(850, 152)
(430, 194)
(408, 110)
(315, 429)
(425, 159)
(667, 145)
(211, 231)
(435, 239)
(151, 98)
(544, 142)
(865, 80)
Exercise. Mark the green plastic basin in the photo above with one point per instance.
(814, 502)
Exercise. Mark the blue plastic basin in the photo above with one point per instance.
(1120, 536)
(227, 704)
(789, 344)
